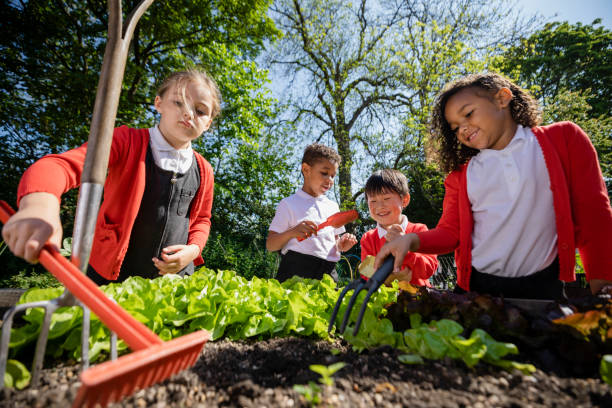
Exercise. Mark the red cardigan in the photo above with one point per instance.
(421, 265)
(123, 190)
(582, 208)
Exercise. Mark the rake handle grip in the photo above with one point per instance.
(134, 333)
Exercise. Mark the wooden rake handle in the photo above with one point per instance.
(134, 333)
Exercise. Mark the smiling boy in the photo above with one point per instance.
(298, 216)
(387, 195)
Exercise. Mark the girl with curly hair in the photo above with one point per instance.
(520, 198)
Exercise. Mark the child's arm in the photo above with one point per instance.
(277, 240)
(590, 209)
(36, 222)
(199, 230)
(423, 266)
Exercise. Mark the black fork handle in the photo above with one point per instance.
(374, 283)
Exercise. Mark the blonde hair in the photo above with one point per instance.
(182, 78)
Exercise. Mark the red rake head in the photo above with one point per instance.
(337, 220)
(342, 218)
(111, 381)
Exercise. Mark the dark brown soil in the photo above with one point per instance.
(262, 374)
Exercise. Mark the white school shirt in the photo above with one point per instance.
(514, 231)
(299, 207)
(166, 156)
(382, 232)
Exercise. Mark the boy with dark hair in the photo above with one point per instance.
(387, 195)
(298, 216)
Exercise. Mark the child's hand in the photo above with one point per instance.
(403, 275)
(175, 258)
(345, 242)
(304, 229)
(394, 231)
(398, 248)
(36, 222)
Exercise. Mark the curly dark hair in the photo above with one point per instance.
(448, 152)
(315, 152)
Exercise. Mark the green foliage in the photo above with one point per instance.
(222, 302)
(442, 338)
(605, 369)
(228, 305)
(31, 277)
(249, 259)
(565, 56)
(16, 375)
(574, 106)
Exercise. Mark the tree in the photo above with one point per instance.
(564, 56)
(50, 56)
(574, 106)
(367, 72)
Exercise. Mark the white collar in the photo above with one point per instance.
(520, 136)
(382, 232)
(166, 156)
(300, 192)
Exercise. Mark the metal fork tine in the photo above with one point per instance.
(332, 319)
(373, 284)
(349, 307)
(362, 310)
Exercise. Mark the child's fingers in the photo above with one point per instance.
(28, 244)
(172, 249)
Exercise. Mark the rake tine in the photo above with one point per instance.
(41, 343)
(349, 307)
(7, 324)
(332, 319)
(373, 284)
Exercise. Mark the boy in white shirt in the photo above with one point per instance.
(298, 216)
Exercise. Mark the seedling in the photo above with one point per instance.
(326, 372)
(312, 392)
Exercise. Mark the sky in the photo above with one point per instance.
(574, 11)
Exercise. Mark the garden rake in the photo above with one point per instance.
(371, 285)
(153, 360)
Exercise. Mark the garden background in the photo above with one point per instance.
(360, 76)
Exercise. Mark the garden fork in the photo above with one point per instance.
(360, 284)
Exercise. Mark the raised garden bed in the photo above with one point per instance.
(245, 373)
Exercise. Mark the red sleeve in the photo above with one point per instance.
(58, 173)
(423, 266)
(199, 228)
(445, 237)
(367, 247)
(54, 173)
(590, 203)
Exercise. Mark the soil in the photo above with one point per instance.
(262, 374)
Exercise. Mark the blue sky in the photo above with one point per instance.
(574, 11)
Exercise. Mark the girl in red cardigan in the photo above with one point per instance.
(155, 217)
(519, 198)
